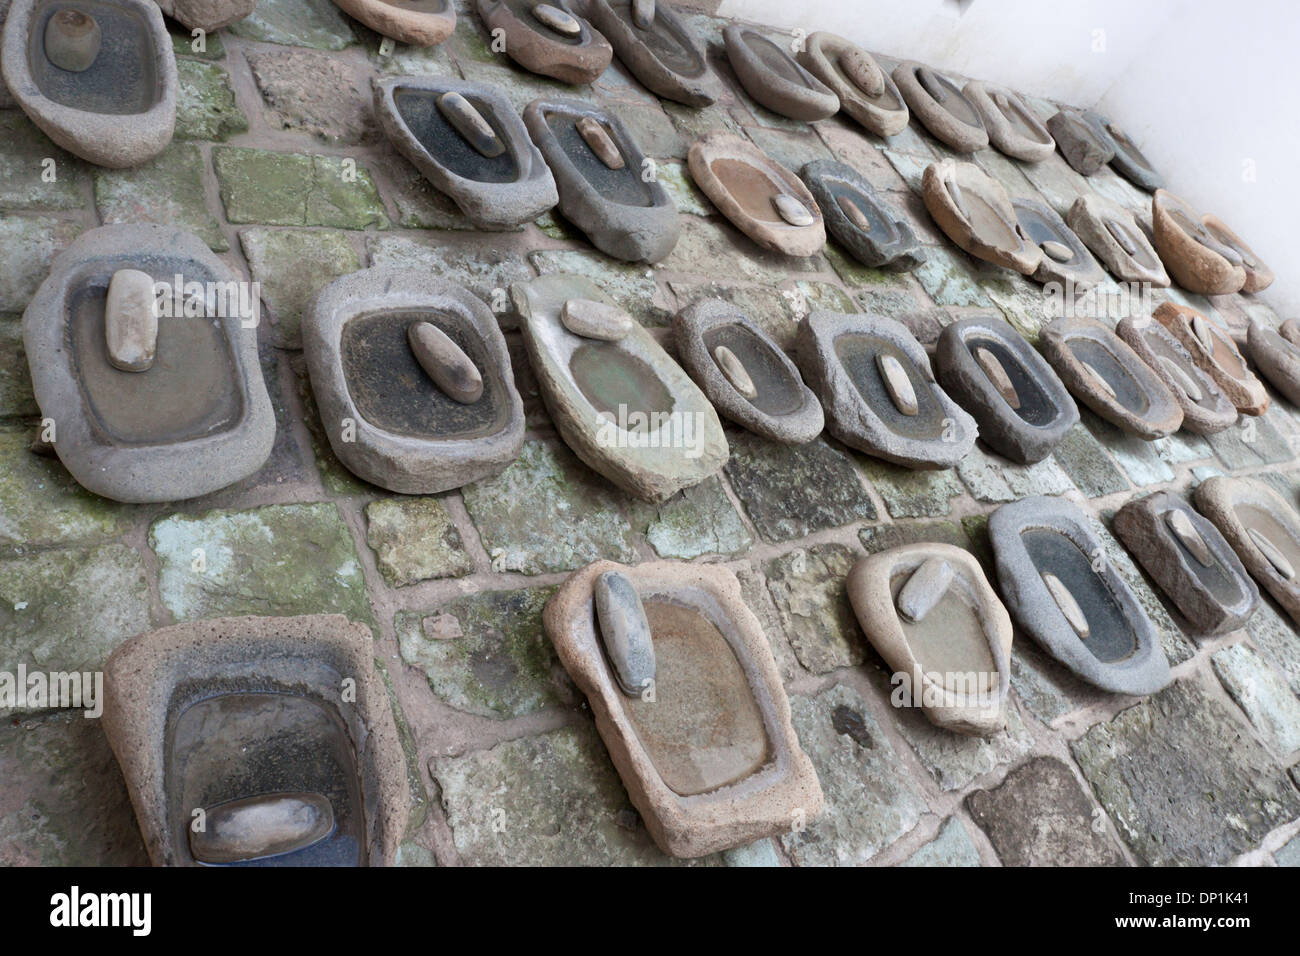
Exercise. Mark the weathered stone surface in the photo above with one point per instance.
(296, 23)
(274, 560)
(951, 847)
(548, 39)
(812, 606)
(792, 491)
(205, 105)
(207, 15)
(1214, 351)
(1040, 816)
(482, 267)
(1288, 855)
(1195, 259)
(1273, 636)
(1271, 706)
(566, 805)
(1012, 126)
(975, 212)
(868, 803)
(954, 760)
(25, 171)
(941, 107)
(696, 521)
(414, 539)
(633, 287)
(859, 220)
(426, 25)
(486, 654)
(293, 266)
(1113, 235)
(775, 79)
(262, 826)
(62, 799)
(315, 93)
(27, 247)
(1080, 143)
(293, 189)
(948, 281)
(1143, 764)
(167, 190)
(667, 58)
(547, 513)
(67, 513)
(16, 398)
(912, 494)
(67, 610)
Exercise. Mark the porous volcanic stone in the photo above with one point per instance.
(1082, 146)
(775, 79)
(1237, 505)
(199, 419)
(1222, 360)
(499, 193)
(843, 194)
(1197, 261)
(1115, 238)
(1207, 414)
(1127, 160)
(385, 418)
(713, 761)
(966, 634)
(1130, 394)
(207, 15)
(667, 58)
(152, 679)
(1043, 412)
(1258, 275)
(417, 22)
(576, 58)
(1033, 536)
(1216, 597)
(593, 388)
(622, 214)
(838, 356)
(784, 408)
(1013, 127)
(1276, 357)
(983, 221)
(122, 110)
(879, 108)
(1043, 226)
(938, 103)
(743, 183)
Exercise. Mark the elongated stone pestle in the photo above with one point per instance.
(643, 13)
(1120, 235)
(471, 124)
(1201, 328)
(792, 210)
(897, 383)
(624, 632)
(1271, 552)
(446, 363)
(72, 40)
(997, 376)
(596, 320)
(1182, 528)
(595, 136)
(552, 16)
(1184, 381)
(267, 825)
(1104, 385)
(855, 213)
(1058, 250)
(866, 76)
(131, 321)
(735, 371)
(924, 589)
(1065, 601)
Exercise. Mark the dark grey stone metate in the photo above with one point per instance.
(857, 219)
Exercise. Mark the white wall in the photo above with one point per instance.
(1203, 86)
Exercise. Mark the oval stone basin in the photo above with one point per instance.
(974, 211)
(1276, 357)
(1012, 126)
(1105, 374)
(942, 107)
(779, 390)
(419, 110)
(865, 90)
(1062, 587)
(1190, 560)
(235, 742)
(1112, 234)
(1022, 407)
(774, 79)
(123, 79)
(570, 51)
(707, 752)
(417, 22)
(1214, 351)
(1195, 259)
(858, 353)
(1206, 410)
(1263, 528)
(665, 56)
(859, 220)
(1044, 227)
(610, 378)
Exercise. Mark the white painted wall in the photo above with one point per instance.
(1203, 86)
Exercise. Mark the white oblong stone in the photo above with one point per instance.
(1184, 381)
(735, 372)
(471, 124)
(855, 213)
(1201, 329)
(864, 73)
(1066, 602)
(1182, 528)
(1058, 250)
(954, 193)
(897, 383)
(596, 320)
(257, 827)
(1120, 234)
(131, 321)
(1270, 551)
(924, 589)
(446, 363)
(1105, 385)
(72, 40)
(555, 18)
(598, 139)
(997, 375)
(643, 13)
(624, 632)
(792, 210)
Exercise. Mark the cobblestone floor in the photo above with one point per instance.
(506, 765)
